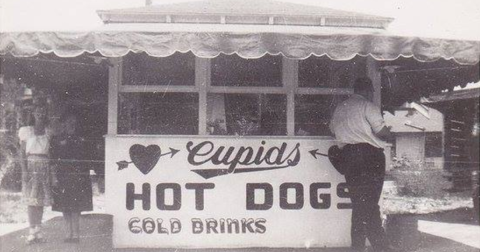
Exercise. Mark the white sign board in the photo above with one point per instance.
(179, 192)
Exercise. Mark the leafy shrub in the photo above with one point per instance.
(10, 171)
(10, 97)
(413, 179)
(404, 163)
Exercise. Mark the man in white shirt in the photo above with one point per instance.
(358, 124)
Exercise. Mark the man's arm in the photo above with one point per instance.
(385, 134)
(375, 118)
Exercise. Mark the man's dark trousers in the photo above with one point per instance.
(364, 177)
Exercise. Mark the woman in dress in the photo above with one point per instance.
(37, 176)
(73, 193)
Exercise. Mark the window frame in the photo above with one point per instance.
(203, 71)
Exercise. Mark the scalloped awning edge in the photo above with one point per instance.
(337, 46)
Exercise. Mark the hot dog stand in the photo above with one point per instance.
(217, 115)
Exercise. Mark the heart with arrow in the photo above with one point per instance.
(145, 158)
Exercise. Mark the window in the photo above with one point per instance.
(322, 84)
(313, 113)
(140, 69)
(247, 114)
(150, 101)
(323, 72)
(230, 95)
(234, 71)
(243, 106)
(434, 144)
(314, 72)
(157, 113)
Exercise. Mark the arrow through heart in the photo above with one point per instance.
(145, 158)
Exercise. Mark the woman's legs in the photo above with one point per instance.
(39, 217)
(32, 223)
(35, 215)
(31, 216)
(38, 226)
(68, 224)
(34, 190)
(72, 224)
(76, 224)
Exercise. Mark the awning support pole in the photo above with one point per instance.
(114, 81)
(290, 82)
(374, 73)
(202, 80)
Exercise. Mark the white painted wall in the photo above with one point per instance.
(304, 227)
(411, 145)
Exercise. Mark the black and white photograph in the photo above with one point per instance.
(240, 125)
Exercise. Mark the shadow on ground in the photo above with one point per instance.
(403, 231)
(97, 236)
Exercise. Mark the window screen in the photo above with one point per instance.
(158, 113)
(313, 114)
(141, 69)
(234, 71)
(247, 114)
(324, 72)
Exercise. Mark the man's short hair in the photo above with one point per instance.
(362, 84)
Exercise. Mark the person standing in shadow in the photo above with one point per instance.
(73, 193)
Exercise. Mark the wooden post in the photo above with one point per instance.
(2, 111)
(202, 81)
(114, 81)
(373, 72)
(290, 82)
